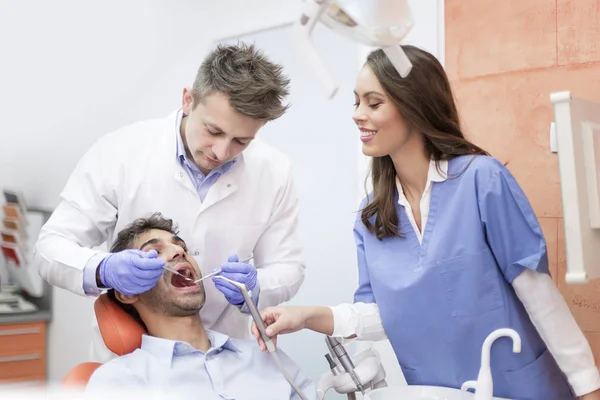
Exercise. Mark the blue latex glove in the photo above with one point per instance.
(238, 272)
(131, 271)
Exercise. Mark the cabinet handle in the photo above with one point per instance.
(23, 331)
(20, 358)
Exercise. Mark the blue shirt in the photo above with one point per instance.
(230, 369)
(440, 298)
(201, 181)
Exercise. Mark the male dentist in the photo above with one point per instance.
(232, 195)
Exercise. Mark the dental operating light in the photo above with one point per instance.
(376, 23)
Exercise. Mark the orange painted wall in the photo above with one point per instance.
(504, 58)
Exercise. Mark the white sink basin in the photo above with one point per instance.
(415, 392)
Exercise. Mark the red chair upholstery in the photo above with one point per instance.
(120, 332)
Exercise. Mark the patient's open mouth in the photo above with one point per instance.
(179, 281)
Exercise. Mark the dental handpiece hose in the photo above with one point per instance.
(347, 364)
(263, 333)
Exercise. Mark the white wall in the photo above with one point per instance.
(76, 70)
(73, 70)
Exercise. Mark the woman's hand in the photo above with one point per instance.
(595, 395)
(280, 320)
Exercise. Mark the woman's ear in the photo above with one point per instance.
(126, 299)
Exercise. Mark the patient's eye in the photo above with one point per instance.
(158, 249)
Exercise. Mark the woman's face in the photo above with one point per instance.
(383, 130)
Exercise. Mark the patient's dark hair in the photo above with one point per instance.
(126, 239)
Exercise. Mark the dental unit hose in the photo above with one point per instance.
(263, 333)
(340, 352)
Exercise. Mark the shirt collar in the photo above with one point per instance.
(434, 174)
(165, 349)
(182, 157)
(180, 148)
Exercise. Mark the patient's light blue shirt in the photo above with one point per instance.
(230, 369)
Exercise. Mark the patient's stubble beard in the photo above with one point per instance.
(165, 299)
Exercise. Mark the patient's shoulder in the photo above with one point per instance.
(247, 346)
(251, 349)
(119, 370)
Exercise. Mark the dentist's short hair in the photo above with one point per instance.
(127, 236)
(255, 85)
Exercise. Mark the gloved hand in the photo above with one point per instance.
(131, 271)
(239, 272)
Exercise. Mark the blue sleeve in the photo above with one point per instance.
(511, 227)
(114, 375)
(363, 293)
(304, 383)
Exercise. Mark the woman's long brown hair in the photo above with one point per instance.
(424, 98)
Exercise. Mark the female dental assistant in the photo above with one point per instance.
(449, 250)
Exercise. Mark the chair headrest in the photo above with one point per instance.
(121, 333)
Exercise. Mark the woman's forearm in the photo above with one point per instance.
(319, 319)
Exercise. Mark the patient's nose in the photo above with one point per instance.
(175, 252)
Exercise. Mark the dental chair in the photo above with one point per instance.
(121, 335)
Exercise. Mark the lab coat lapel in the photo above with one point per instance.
(182, 177)
(224, 186)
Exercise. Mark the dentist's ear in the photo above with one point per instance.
(187, 101)
(126, 299)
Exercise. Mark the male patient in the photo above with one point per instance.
(178, 356)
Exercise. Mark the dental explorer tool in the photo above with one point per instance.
(263, 332)
(221, 270)
(177, 273)
(347, 364)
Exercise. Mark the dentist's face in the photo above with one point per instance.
(213, 131)
(173, 295)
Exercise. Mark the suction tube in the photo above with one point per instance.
(263, 333)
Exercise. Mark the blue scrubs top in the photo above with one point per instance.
(441, 298)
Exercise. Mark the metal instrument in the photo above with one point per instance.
(247, 294)
(339, 351)
(221, 270)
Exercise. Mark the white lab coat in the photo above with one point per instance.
(134, 172)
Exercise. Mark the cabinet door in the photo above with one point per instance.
(22, 353)
(578, 137)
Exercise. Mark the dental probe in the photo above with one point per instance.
(221, 270)
(207, 276)
(176, 273)
(263, 332)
